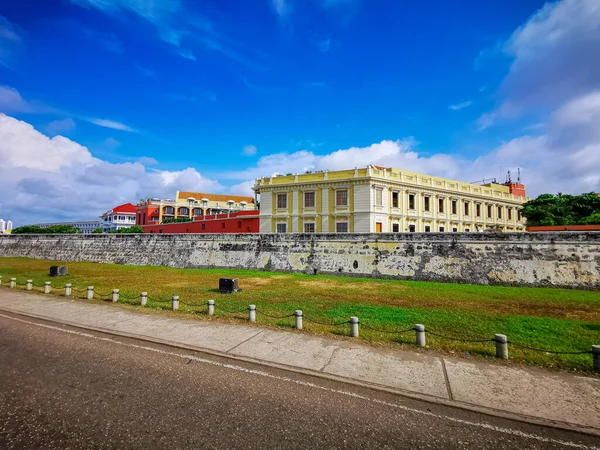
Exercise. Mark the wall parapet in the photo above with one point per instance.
(559, 259)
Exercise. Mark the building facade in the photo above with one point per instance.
(122, 216)
(235, 222)
(378, 199)
(5, 226)
(86, 227)
(190, 205)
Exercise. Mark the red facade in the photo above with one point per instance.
(237, 222)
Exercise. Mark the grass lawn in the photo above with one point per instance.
(553, 319)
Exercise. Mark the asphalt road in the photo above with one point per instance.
(67, 388)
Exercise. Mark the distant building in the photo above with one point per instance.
(86, 227)
(191, 205)
(5, 226)
(379, 199)
(122, 216)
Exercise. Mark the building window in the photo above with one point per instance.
(222, 224)
(395, 227)
(441, 229)
(411, 201)
(426, 204)
(519, 215)
(466, 208)
(184, 212)
(454, 230)
(454, 207)
(467, 230)
(478, 210)
(203, 226)
(309, 199)
(169, 210)
(282, 228)
(427, 229)
(341, 227)
(379, 197)
(499, 212)
(341, 197)
(412, 228)
(197, 211)
(441, 205)
(281, 202)
(509, 213)
(309, 227)
(489, 211)
(395, 198)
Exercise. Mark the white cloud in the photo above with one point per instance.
(61, 126)
(249, 150)
(11, 41)
(555, 59)
(281, 7)
(110, 124)
(461, 105)
(45, 179)
(11, 100)
(111, 143)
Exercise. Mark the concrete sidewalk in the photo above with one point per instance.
(531, 394)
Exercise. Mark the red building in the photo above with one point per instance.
(235, 222)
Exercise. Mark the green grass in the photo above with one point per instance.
(553, 319)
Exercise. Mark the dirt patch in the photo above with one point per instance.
(335, 285)
(255, 282)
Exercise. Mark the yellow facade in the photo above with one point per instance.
(375, 199)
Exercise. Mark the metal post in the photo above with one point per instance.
(29, 285)
(211, 307)
(596, 356)
(143, 298)
(68, 290)
(13, 282)
(115, 295)
(353, 326)
(420, 335)
(175, 302)
(90, 292)
(298, 315)
(501, 346)
(47, 287)
(252, 313)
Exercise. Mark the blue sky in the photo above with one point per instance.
(210, 94)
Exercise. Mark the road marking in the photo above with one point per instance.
(486, 426)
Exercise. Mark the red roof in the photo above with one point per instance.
(126, 208)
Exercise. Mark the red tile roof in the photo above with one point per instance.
(124, 208)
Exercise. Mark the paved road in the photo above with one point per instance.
(62, 387)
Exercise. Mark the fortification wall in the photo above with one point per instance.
(567, 259)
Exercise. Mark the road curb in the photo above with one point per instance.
(404, 393)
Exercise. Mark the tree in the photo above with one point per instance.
(177, 220)
(563, 209)
(130, 230)
(98, 230)
(55, 229)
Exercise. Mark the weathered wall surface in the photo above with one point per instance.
(534, 259)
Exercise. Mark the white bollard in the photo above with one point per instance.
(68, 290)
(13, 282)
(143, 298)
(501, 346)
(420, 334)
(353, 326)
(115, 295)
(211, 307)
(298, 316)
(252, 313)
(175, 302)
(0, 280)
(596, 356)
(29, 285)
(47, 287)
(90, 292)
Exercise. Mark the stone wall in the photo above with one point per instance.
(566, 259)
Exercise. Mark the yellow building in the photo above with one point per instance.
(377, 199)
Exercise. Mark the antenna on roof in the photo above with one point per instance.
(519, 175)
(508, 177)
